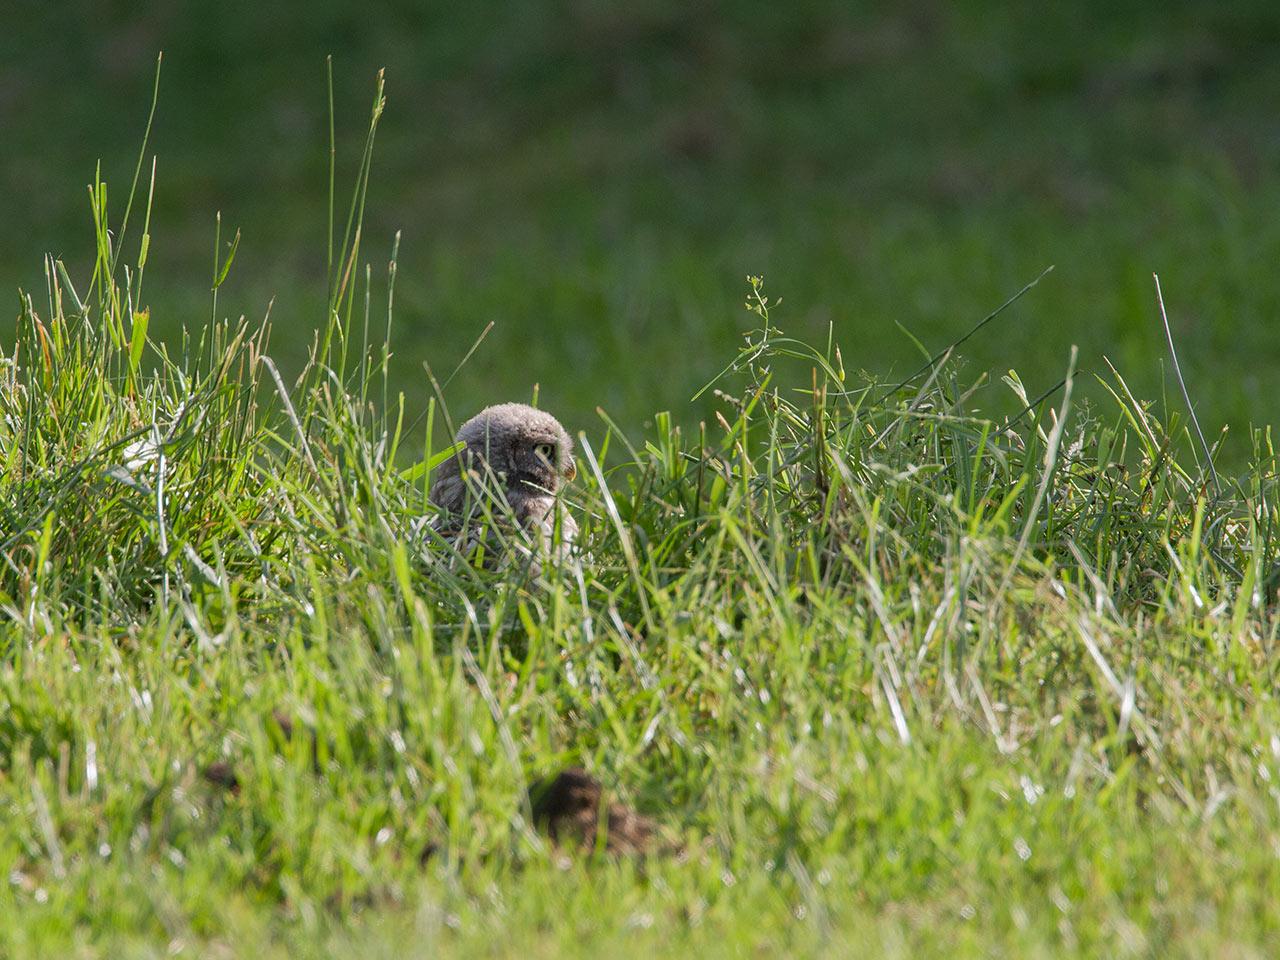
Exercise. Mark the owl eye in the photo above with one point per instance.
(546, 452)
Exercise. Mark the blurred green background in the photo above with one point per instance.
(599, 178)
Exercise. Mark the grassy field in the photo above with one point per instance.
(961, 665)
(596, 179)
(893, 676)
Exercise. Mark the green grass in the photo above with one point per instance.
(596, 179)
(905, 677)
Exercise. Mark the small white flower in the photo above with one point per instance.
(141, 452)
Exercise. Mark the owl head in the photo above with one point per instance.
(525, 449)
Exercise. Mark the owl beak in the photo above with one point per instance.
(570, 470)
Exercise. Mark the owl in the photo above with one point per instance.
(516, 457)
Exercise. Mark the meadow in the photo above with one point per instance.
(596, 179)
(937, 660)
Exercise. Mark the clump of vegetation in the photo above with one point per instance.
(896, 675)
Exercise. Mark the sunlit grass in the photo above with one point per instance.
(903, 677)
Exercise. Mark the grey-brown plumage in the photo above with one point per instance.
(515, 454)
